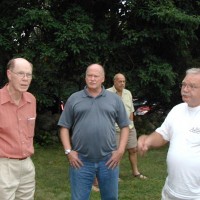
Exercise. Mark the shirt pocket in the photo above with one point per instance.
(31, 126)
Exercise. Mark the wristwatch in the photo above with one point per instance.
(67, 151)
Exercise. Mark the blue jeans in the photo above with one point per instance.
(82, 179)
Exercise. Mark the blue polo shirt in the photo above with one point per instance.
(92, 120)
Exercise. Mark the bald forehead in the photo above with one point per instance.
(21, 61)
(96, 67)
(119, 76)
(17, 62)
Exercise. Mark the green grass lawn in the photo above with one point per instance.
(52, 177)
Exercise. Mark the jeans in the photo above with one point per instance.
(82, 179)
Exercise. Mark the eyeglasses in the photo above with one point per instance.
(189, 86)
(22, 74)
(92, 76)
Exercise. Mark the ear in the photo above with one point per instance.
(8, 74)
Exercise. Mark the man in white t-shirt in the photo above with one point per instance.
(182, 129)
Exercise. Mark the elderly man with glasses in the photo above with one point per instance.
(181, 129)
(17, 123)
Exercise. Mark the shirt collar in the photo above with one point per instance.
(115, 91)
(86, 94)
(5, 97)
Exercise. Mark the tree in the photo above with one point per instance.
(152, 42)
(157, 38)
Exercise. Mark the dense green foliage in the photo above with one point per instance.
(152, 42)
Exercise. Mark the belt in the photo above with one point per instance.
(18, 158)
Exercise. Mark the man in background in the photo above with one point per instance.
(126, 96)
(17, 123)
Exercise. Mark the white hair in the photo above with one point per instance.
(193, 71)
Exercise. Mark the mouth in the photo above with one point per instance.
(92, 83)
(24, 86)
(185, 97)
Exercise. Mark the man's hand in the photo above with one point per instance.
(74, 160)
(115, 159)
(143, 146)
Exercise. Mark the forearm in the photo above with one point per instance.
(65, 138)
(131, 125)
(131, 117)
(123, 139)
(155, 140)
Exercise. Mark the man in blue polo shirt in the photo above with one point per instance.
(92, 151)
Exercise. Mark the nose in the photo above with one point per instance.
(25, 77)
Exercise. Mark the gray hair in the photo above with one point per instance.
(193, 71)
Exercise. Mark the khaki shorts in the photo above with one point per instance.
(132, 139)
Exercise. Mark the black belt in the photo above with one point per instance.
(18, 158)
